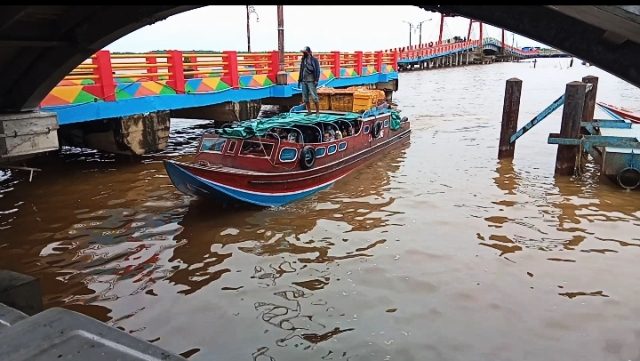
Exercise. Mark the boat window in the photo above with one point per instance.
(256, 149)
(288, 154)
(320, 152)
(342, 146)
(231, 147)
(386, 123)
(357, 127)
(212, 145)
(366, 129)
(331, 149)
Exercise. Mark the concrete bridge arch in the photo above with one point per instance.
(39, 45)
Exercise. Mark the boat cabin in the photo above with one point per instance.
(293, 140)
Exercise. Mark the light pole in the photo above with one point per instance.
(410, 29)
(250, 10)
(281, 77)
(420, 27)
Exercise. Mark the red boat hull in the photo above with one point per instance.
(620, 112)
(274, 186)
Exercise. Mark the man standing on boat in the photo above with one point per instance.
(308, 79)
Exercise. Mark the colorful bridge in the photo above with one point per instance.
(116, 85)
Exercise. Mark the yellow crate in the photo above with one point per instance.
(364, 101)
(324, 101)
(342, 102)
(381, 97)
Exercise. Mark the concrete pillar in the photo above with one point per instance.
(510, 112)
(131, 135)
(574, 98)
(222, 113)
(21, 292)
(388, 87)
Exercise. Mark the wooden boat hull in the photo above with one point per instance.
(269, 189)
(620, 113)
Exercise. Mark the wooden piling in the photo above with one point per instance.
(509, 118)
(588, 111)
(590, 98)
(574, 98)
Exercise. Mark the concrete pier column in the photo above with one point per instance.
(131, 135)
(222, 113)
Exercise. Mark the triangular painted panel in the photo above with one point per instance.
(192, 84)
(51, 100)
(67, 93)
(84, 97)
(203, 88)
(144, 92)
(130, 89)
(222, 85)
(211, 82)
(152, 86)
(167, 90)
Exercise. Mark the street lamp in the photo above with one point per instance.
(420, 27)
(414, 27)
(281, 76)
(250, 10)
(410, 28)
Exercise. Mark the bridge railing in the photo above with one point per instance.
(111, 77)
(435, 49)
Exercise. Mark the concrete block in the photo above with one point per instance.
(60, 334)
(9, 316)
(21, 292)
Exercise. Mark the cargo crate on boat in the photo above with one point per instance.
(342, 100)
(363, 101)
(324, 98)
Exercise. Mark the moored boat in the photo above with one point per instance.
(620, 113)
(275, 161)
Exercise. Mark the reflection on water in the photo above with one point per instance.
(435, 250)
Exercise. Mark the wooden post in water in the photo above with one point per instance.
(590, 98)
(509, 118)
(588, 111)
(574, 97)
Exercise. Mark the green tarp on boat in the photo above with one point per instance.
(259, 127)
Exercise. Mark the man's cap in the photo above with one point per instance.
(306, 49)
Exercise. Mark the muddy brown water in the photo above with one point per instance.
(434, 251)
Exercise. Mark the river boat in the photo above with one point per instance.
(274, 161)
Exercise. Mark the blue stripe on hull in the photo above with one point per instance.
(197, 186)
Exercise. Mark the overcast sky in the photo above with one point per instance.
(323, 28)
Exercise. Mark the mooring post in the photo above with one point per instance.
(509, 118)
(590, 98)
(588, 110)
(574, 98)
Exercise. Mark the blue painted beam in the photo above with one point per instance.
(596, 141)
(83, 112)
(538, 118)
